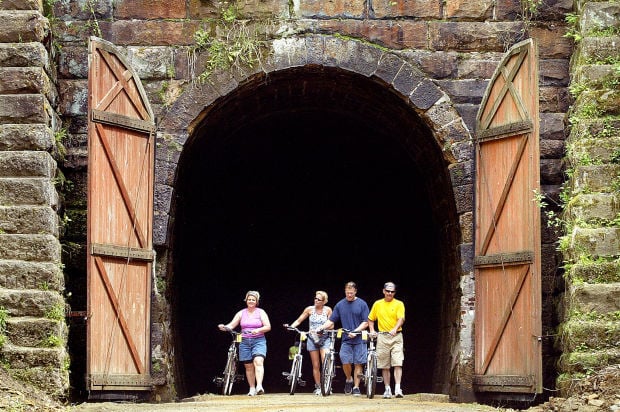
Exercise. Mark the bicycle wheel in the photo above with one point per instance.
(371, 375)
(229, 373)
(295, 373)
(327, 375)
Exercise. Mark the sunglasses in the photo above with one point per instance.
(320, 300)
(390, 291)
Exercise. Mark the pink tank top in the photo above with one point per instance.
(251, 321)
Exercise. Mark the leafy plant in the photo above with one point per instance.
(230, 43)
(4, 314)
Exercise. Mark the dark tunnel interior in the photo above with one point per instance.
(294, 200)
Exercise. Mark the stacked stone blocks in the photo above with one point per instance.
(591, 246)
(31, 277)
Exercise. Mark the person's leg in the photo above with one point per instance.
(316, 366)
(385, 372)
(359, 370)
(347, 369)
(259, 372)
(398, 373)
(250, 376)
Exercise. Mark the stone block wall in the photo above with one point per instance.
(33, 331)
(589, 333)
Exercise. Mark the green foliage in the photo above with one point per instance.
(230, 42)
(56, 312)
(573, 30)
(4, 314)
(51, 341)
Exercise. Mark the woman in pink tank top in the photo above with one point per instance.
(254, 324)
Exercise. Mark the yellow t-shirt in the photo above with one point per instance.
(387, 313)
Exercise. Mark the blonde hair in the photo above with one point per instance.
(321, 294)
(252, 293)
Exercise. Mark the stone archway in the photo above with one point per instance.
(330, 165)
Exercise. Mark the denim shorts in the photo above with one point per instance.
(355, 354)
(323, 343)
(249, 348)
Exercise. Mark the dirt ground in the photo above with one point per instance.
(599, 392)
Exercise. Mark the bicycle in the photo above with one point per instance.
(328, 370)
(229, 376)
(294, 376)
(370, 376)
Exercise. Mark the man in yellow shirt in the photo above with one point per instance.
(389, 313)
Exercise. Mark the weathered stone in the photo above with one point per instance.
(595, 178)
(52, 380)
(151, 33)
(31, 54)
(599, 16)
(552, 44)
(35, 303)
(554, 99)
(551, 171)
(407, 79)
(480, 37)
(16, 274)
(552, 126)
(25, 108)
(551, 149)
(464, 9)
(332, 9)
(25, 137)
(149, 9)
(595, 206)
(607, 101)
(421, 9)
(467, 226)
(23, 26)
(28, 220)
(464, 198)
(27, 191)
(20, 5)
(35, 332)
(35, 248)
(27, 80)
(73, 97)
(27, 164)
(425, 94)
(464, 91)
(554, 72)
(478, 65)
(597, 49)
(601, 241)
(599, 298)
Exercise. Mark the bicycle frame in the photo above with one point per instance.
(229, 376)
(294, 376)
(328, 369)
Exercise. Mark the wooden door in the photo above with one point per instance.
(120, 219)
(507, 226)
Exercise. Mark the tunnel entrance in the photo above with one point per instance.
(302, 183)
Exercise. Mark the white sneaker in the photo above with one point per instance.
(388, 393)
(260, 390)
(317, 390)
(252, 392)
(398, 393)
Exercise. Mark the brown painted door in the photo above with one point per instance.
(507, 226)
(120, 219)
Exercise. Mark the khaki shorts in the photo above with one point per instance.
(390, 350)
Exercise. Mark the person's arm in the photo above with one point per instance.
(232, 324)
(266, 323)
(327, 325)
(300, 319)
(399, 323)
(371, 326)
